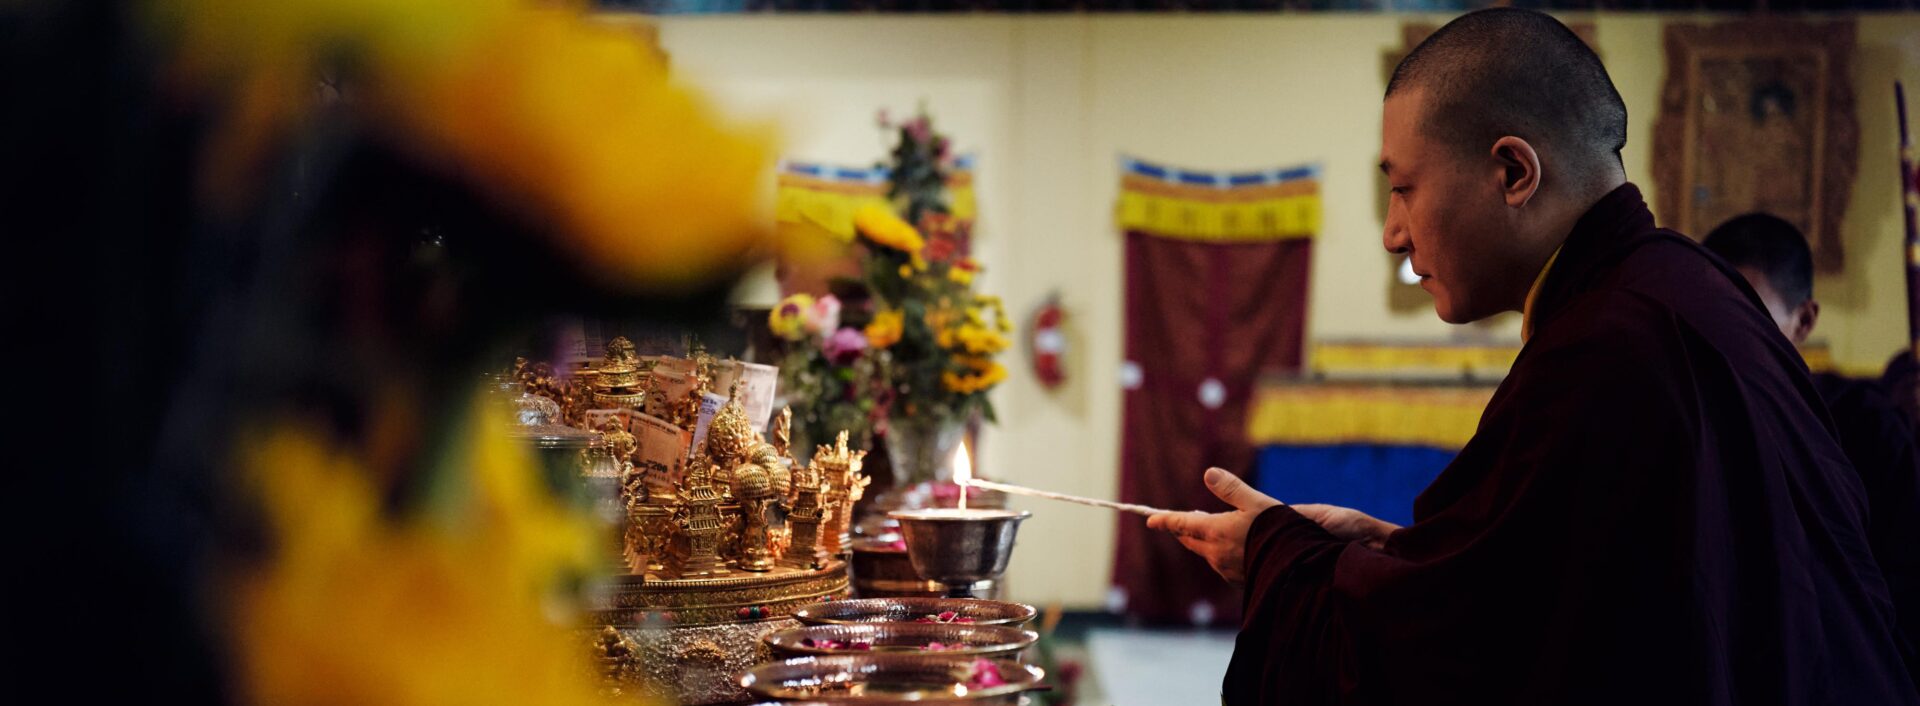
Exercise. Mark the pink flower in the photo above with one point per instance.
(823, 315)
(985, 673)
(938, 647)
(845, 346)
(918, 129)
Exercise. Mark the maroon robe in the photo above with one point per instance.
(1879, 440)
(1653, 510)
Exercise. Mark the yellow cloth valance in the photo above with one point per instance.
(1481, 361)
(1323, 415)
(1218, 206)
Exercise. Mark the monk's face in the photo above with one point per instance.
(1449, 215)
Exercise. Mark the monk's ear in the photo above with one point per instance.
(1520, 170)
(1804, 318)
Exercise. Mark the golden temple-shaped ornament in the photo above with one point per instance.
(844, 484)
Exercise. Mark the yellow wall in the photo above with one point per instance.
(1049, 103)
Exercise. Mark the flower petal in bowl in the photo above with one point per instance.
(947, 638)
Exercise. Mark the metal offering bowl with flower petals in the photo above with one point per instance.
(893, 677)
(944, 638)
(963, 611)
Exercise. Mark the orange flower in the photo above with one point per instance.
(886, 328)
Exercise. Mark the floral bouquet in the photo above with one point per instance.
(829, 378)
(922, 360)
(938, 338)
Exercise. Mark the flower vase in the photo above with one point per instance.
(921, 451)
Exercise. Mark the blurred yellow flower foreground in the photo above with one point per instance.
(452, 606)
(570, 122)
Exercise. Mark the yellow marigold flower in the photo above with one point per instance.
(963, 270)
(978, 340)
(906, 272)
(886, 328)
(356, 606)
(788, 320)
(883, 227)
(983, 374)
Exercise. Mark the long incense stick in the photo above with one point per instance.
(1018, 490)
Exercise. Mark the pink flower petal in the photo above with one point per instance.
(985, 674)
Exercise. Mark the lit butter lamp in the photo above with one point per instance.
(959, 547)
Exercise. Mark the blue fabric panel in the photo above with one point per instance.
(1375, 479)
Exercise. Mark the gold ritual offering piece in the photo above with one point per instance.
(718, 542)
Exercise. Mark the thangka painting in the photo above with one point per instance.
(1758, 116)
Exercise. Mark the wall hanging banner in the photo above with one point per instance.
(1216, 296)
(823, 198)
(1218, 206)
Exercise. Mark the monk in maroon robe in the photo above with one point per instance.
(1772, 255)
(1653, 510)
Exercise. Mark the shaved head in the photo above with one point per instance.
(1506, 71)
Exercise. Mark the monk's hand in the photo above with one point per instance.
(1348, 524)
(1219, 537)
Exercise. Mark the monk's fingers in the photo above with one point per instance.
(1236, 492)
(1180, 524)
(1312, 511)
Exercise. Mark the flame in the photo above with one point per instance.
(962, 471)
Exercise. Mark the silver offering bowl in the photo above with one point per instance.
(922, 609)
(959, 547)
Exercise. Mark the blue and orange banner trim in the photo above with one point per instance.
(1231, 206)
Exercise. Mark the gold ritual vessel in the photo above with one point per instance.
(719, 541)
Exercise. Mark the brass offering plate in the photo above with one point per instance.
(888, 678)
(743, 597)
(932, 638)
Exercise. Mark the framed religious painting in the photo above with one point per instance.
(1758, 116)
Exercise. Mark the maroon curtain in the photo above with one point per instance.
(1204, 320)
